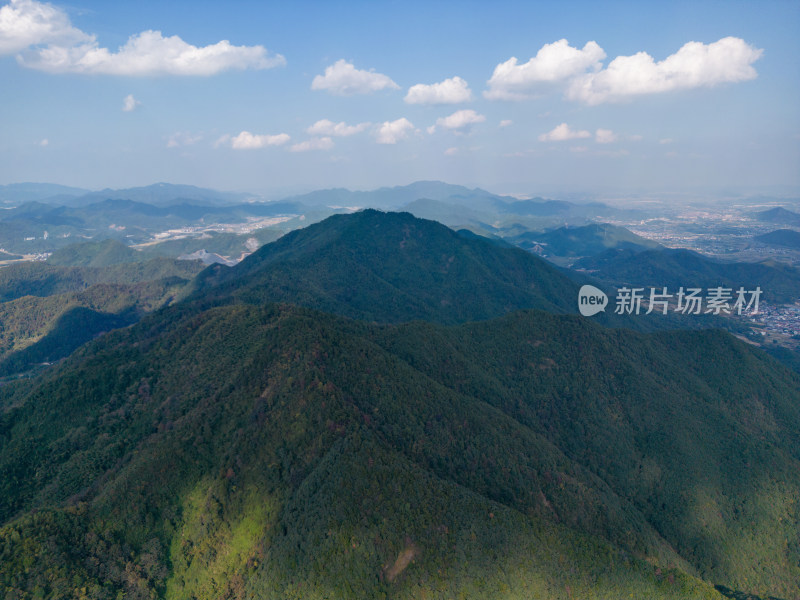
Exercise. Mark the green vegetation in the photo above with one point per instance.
(228, 447)
(391, 267)
(43, 279)
(584, 241)
(101, 253)
(278, 452)
(675, 268)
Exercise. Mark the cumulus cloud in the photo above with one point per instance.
(150, 53)
(449, 91)
(553, 63)
(44, 143)
(580, 72)
(605, 136)
(25, 23)
(129, 103)
(451, 151)
(390, 132)
(47, 41)
(325, 127)
(562, 132)
(251, 141)
(694, 65)
(459, 121)
(323, 143)
(506, 122)
(343, 79)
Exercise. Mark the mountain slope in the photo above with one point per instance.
(584, 241)
(677, 267)
(101, 253)
(392, 267)
(277, 452)
(781, 237)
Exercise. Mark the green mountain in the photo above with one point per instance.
(101, 253)
(392, 267)
(583, 241)
(38, 321)
(43, 279)
(677, 267)
(781, 237)
(229, 447)
(275, 452)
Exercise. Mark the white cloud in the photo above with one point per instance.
(25, 23)
(459, 120)
(323, 143)
(129, 103)
(665, 141)
(150, 53)
(325, 127)
(451, 152)
(694, 65)
(44, 143)
(562, 132)
(449, 91)
(250, 141)
(47, 41)
(343, 79)
(390, 132)
(506, 122)
(605, 136)
(553, 63)
(579, 149)
(179, 139)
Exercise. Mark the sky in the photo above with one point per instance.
(523, 98)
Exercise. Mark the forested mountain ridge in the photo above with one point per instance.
(392, 267)
(227, 446)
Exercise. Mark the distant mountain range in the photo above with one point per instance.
(228, 446)
(158, 194)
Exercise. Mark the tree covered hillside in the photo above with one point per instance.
(263, 452)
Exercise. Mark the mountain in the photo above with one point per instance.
(781, 237)
(675, 268)
(43, 279)
(102, 253)
(276, 452)
(778, 215)
(583, 241)
(19, 193)
(229, 447)
(163, 194)
(395, 197)
(392, 267)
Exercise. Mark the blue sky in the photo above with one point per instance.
(619, 97)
